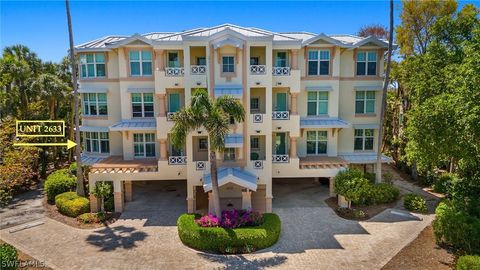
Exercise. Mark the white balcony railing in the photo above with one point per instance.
(258, 69)
(257, 118)
(198, 70)
(280, 115)
(177, 160)
(281, 71)
(174, 71)
(170, 116)
(258, 164)
(201, 165)
(280, 159)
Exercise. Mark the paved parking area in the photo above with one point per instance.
(313, 237)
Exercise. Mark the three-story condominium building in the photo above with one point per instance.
(312, 104)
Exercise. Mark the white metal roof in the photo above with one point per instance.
(363, 158)
(318, 122)
(231, 175)
(125, 125)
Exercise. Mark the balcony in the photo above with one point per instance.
(174, 71)
(281, 71)
(280, 158)
(177, 160)
(322, 162)
(258, 69)
(168, 79)
(198, 69)
(116, 164)
(280, 115)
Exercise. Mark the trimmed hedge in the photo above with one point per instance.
(468, 263)
(415, 203)
(8, 257)
(217, 239)
(59, 182)
(444, 183)
(72, 205)
(384, 193)
(92, 217)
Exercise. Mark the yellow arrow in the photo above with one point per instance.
(69, 144)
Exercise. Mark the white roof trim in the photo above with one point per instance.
(129, 40)
(372, 39)
(92, 90)
(325, 38)
(228, 41)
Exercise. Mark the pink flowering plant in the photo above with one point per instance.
(231, 219)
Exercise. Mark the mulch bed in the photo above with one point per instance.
(27, 262)
(423, 253)
(52, 212)
(370, 211)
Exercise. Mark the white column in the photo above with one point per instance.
(246, 199)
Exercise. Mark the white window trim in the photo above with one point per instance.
(366, 62)
(89, 140)
(233, 64)
(144, 143)
(363, 137)
(140, 61)
(365, 99)
(317, 141)
(317, 102)
(86, 101)
(318, 60)
(95, 63)
(142, 105)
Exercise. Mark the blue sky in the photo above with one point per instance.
(42, 26)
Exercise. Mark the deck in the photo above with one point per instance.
(116, 164)
(322, 162)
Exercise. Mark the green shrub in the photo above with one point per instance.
(415, 203)
(109, 204)
(246, 239)
(351, 213)
(92, 217)
(443, 183)
(370, 176)
(384, 193)
(73, 168)
(455, 227)
(387, 177)
(59, 182)
(72, 205)
(468, 263)
(8, 257)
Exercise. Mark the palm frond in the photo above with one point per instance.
(232, 107)
(185, 121)
(217, 126)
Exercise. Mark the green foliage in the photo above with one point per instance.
(415, 203)
(8, 257)
(103, 190)
(92, 217)
(352, 184)
(468, 262)
(73, 168)
(59, 182)
(455, 227)
(370, 176)
(72, 205)
(387, 177)
(444, 183)
(351, 213)
(223, 240)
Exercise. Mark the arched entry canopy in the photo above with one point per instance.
(231, 175)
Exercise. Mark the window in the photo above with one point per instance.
(140, 63)
(201, 61)
(317, 103)
(254, 61)
(228, 64)
(144, 144)
(365, 102)
(173, 60)
(318, 62)
(229, 154)
(142, 105)
(94, 104)
(366, 63)
(363, 139)
(317, 142)
(281, 59)
(254, 143)
(97, 142)
(203, 144)
(92, 65)
(254, 103)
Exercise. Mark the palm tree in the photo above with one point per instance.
(386, 82)
(214, 116)
(80, 188)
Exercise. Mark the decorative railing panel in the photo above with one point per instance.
(258, 164)
(198, 70)
(174, 71)
(281, 71)
(281, 115)
(258, 69)
(280, 159)
(201, 165)
(170, 116)
(177, 160)
(257, 118)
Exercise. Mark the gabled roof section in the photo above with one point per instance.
(135, 37)
(324, 38)
(371, 39)
(231, 175)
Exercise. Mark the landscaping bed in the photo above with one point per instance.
(229, 240)
(369, 211)
(51, 211)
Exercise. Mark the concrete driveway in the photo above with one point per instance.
(313, 237)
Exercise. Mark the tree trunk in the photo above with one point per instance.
(215, 192)
(378, 177)
(102, 204)
(80, 187)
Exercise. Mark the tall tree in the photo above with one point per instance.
(386, 82)
(80, 187)
(375, 30)
(214, 116)
(418, 17)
